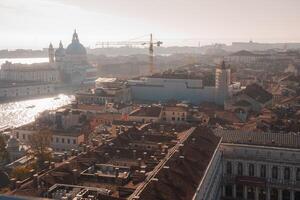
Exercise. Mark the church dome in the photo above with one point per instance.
(75, 48)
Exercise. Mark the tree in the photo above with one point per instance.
(20, 172)
(3, 152)
(40, 147)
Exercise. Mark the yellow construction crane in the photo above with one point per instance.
(136, 43)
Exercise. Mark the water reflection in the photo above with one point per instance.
(22, 112)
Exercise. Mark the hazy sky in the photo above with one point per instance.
(35, 23)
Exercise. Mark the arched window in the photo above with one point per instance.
(286, 195)
(263, 170)
(229, 168)
(274, 194)
(228, 191)
(240, 169)
(251, 170)
(275, 172)
(287, 173)
(298, 174)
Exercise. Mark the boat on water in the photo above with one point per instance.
(32, 106)
(56, 98)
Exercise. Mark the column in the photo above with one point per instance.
(268, 193)
(245, 191)
(234, 190)
(279, 194)
(281, 178)
(256, 193)
(292, 197)
(257, 169)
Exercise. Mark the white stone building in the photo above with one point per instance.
(260, 166)
(9, 90)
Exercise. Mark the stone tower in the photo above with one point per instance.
(51, 53)
(223, 80)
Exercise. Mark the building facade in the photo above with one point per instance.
(183, 87)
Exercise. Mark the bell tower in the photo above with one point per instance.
(51, 53)
(223, 81)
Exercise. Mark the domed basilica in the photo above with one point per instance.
(72, 62)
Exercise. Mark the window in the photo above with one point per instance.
(240, 169)
(298, 174)
(286, 195)
(17, 135)
(63, 140)
(239, 191)
(74, 141)
(68, 141)
(173, 118)
(251, 170)
(228, 191)
(275, 172)
(23, 136)
(263, 171)
(229, 168)
(287, 173)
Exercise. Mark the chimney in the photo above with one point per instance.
(193, 140)
(181, 146)
(145, 155)
(117, 172)
(52, 165)
(75, 175)
(47, 164)
(72, 152)
(35, 181)
(18, 184)
(13, 183)
(139, 162)
(65, 155)
(118, 153)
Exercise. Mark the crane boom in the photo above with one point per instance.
(137, 43)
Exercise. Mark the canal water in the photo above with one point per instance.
(14, 114)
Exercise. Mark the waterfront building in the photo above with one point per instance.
(41, 72)
(25, 89)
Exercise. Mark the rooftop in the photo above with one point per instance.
(284, 140)
(151, 111)
(143, 152)
(257, 93)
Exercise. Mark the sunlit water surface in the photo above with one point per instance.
(18, 113)
(23, 60)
